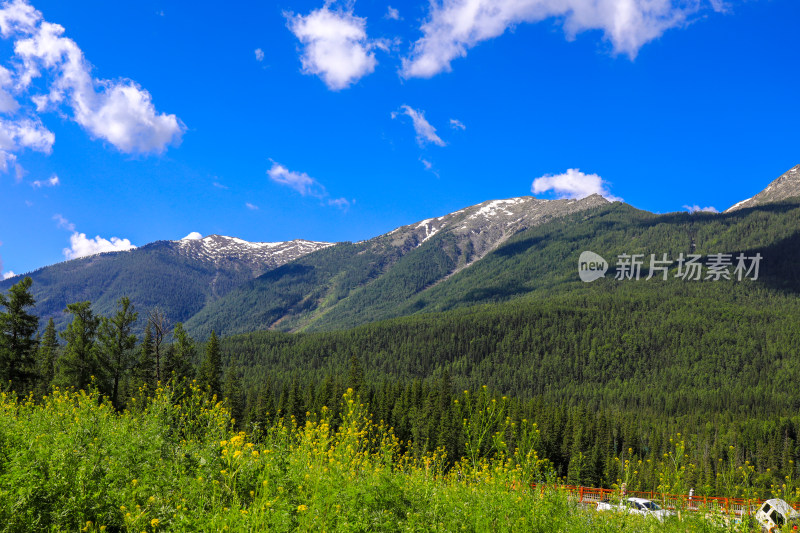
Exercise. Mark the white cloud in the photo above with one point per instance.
(250, 206)
(219, 185)
(63, 223)
(259, 54)
(299, 181)
(341, 203)
(8, 104)
(719, 6)
(119, 112)
(573, 184)
(124, 115)
(429, 166)
(304, 184)
(193, 236)
(392, 14)
(20, 134)
(425, 132)
(16, 15)
(335, 45)
(457, 124)
(454, 26)
(81, 246)
(697, 209)
(52, 182)
(9, 274)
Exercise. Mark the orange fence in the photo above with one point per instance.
(593, 496)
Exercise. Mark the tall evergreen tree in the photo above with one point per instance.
(117, 342)
(82, 359)
(355, 375)
(234, 396)
(145, 367)
(263, 412)
(210, 373)
(180, 356)
(46, 358)
(18, 340)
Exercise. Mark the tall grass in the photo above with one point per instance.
(174, 463)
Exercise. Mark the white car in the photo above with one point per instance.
(640, 506)
(774, 514)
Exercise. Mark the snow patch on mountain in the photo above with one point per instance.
(738, 204)
(495, 207)
(258, 256)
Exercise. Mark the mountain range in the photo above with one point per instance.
(494, 251)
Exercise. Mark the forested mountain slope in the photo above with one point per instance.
(180, 277)
(353, 284)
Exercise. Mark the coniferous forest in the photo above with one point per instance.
(440, 265)
(661, 393)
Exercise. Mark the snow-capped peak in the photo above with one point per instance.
(260, 256)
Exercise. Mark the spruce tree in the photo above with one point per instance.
(355, 376)
(145, 366)
(210, 373)
(46, 358)
(81, 360)
(264, 411)
(234, 397)
(180, 356)
(117, 342)
(18, 342)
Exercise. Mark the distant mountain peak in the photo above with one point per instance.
(483, 227)
(786, 186)
(260, 256)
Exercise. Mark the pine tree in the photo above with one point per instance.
(294, 404)
(145, 366)
(46, 358)
(18, 342)
(81, 360)
(117, 342)
(180, 356)
(264, 411)
(355, 376)
(234, 397)
(210, 373)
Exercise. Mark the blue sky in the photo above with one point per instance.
(122, 123)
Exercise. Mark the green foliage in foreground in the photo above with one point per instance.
(174, 463)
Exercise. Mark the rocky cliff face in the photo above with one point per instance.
(785, 187)
(480, 228)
